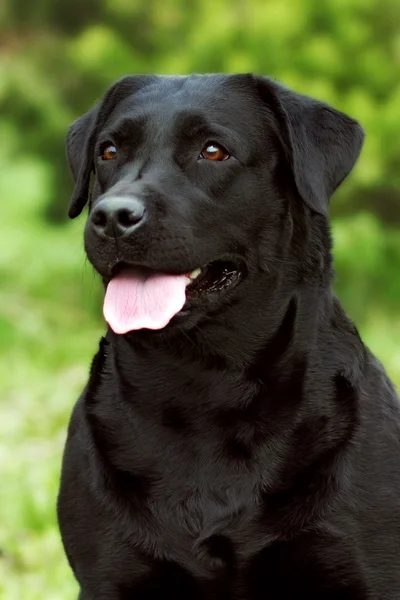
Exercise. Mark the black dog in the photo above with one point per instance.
(236, 440)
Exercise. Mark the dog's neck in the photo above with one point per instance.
(285, 334)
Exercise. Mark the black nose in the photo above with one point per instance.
(117, 216)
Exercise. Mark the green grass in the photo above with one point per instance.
(50, 323)
(47, 338)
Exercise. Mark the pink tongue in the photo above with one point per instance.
(137, 299)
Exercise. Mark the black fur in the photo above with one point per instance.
(250, 450)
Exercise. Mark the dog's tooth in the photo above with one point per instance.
(195, 273)
(187, 281)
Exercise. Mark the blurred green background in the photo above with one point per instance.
(56, 59)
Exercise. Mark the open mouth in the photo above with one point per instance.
(142, 298)
(215, 277)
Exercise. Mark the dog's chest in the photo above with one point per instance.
(196, 469)
(193, 484)
(205, 525)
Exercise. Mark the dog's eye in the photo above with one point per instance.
(109, 152)
(214, 152)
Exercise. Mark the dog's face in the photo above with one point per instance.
(202, 185)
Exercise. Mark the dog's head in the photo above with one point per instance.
(203, 188)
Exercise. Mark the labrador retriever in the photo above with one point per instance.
(236, 439)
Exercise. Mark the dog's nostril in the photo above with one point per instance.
(99, 218)
(127, 217)
(117, 216)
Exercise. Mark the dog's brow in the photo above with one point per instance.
(191, 126)
(127, 128)
(191, 123)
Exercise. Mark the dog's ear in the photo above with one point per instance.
(80, 160)
(82, 134)
(321, 143)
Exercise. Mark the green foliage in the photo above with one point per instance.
(59, 58)
(56, 59)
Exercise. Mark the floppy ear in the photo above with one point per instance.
(322, 144)
(82, 134)
(80, 159)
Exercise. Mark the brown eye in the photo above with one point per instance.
(109, 153)
(214, 152)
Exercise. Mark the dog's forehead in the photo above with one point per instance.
(228, 100)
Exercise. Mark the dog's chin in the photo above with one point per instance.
(207, 288)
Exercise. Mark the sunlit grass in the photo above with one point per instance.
(47, 338)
